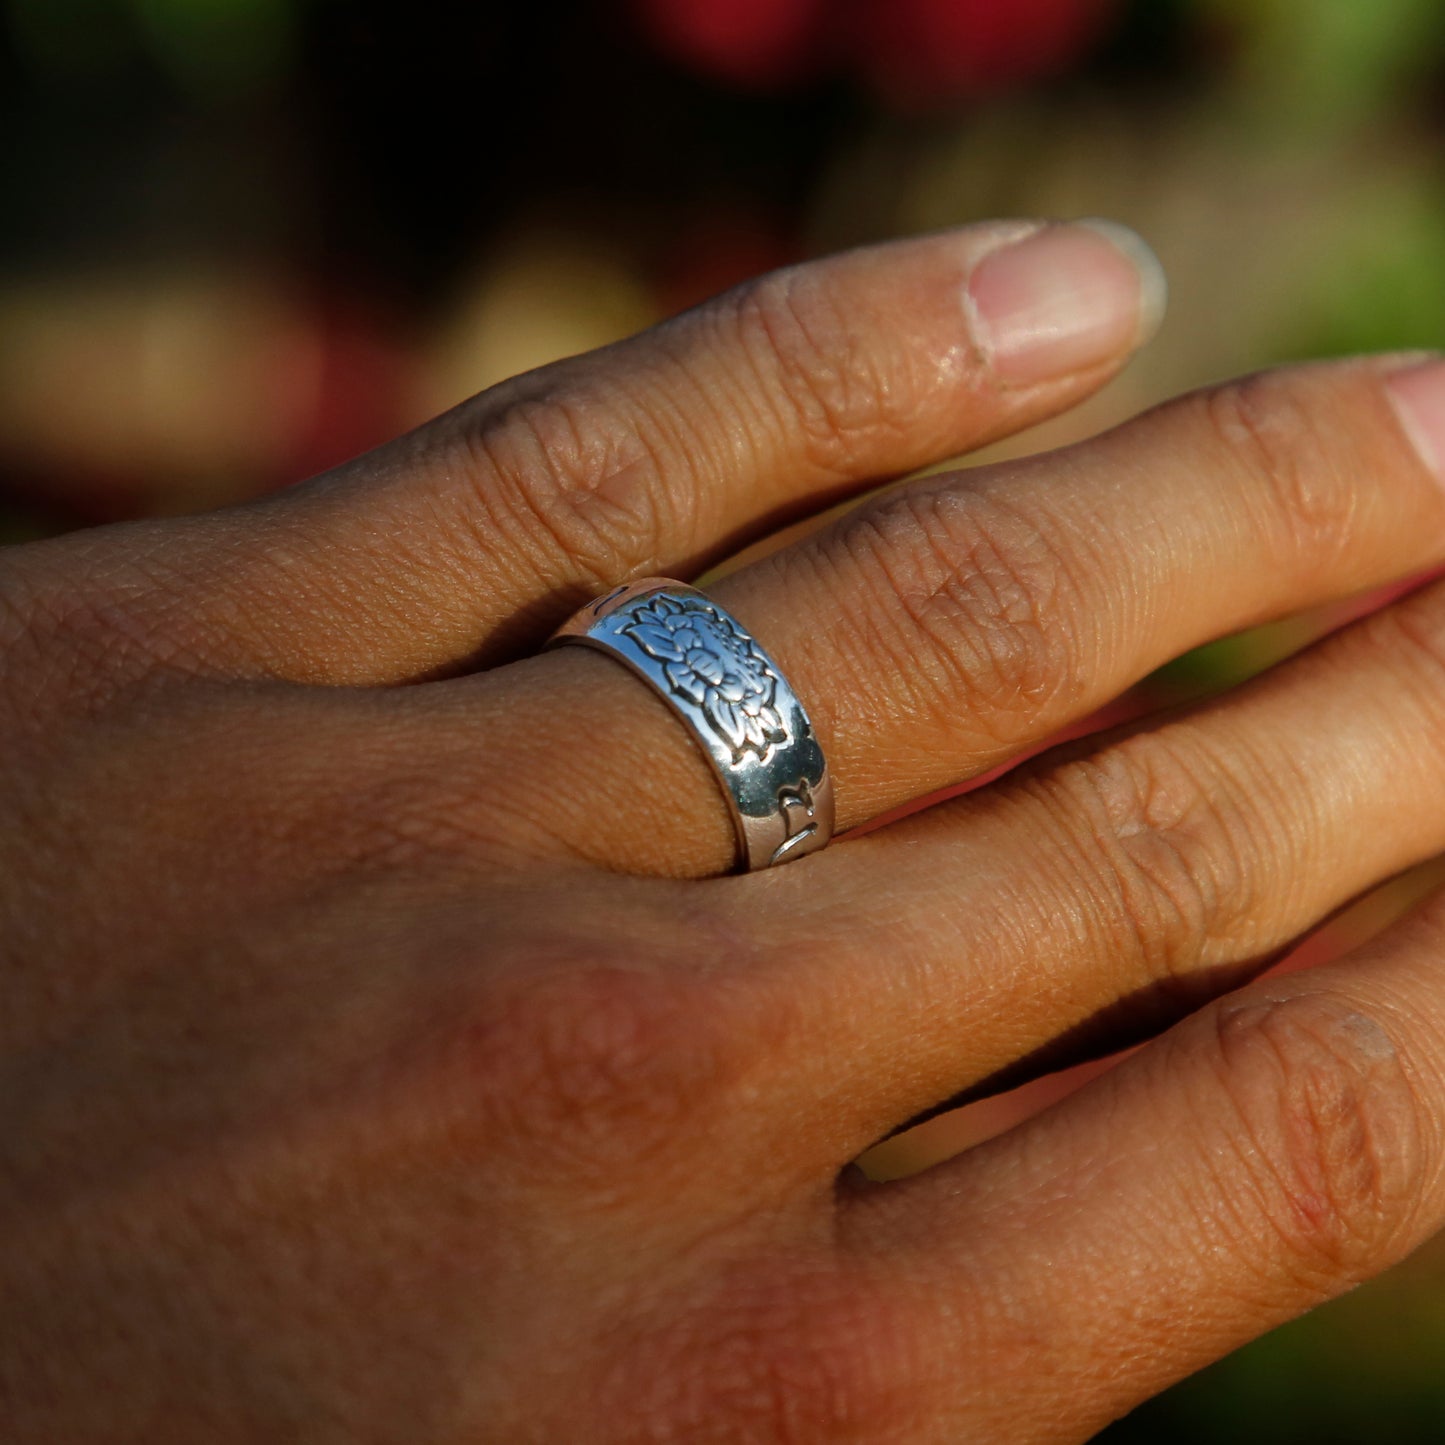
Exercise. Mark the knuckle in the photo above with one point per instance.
(1175, 838)
(602, 1066)
(1413, 630)
(803, 346)
(573, 470)
(82, 621)
(977, 601)
(29, 664)
(14, 605)
(1335, 1132)
(400, 817)
(782, 1357)
(1306, 503)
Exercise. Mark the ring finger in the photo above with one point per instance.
(943, 627)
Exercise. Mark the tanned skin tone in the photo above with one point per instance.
(389, 1056)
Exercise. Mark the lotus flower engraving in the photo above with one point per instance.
(714, 665)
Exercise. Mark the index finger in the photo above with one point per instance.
(470, 539)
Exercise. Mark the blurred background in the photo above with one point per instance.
(244, 239)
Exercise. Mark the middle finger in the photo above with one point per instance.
(1085, 902)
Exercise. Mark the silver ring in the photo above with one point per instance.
(739, 710)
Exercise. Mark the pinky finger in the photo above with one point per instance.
(1267, 1154)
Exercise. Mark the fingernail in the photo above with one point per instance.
(1065, 298)
(1418, 396)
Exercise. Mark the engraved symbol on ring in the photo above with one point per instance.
(600, 605)
(800, 822)
(716, 666)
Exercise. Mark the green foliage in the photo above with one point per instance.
(1326, 63)
(224, 46)
(214, 49)
(1363, 1368)
(1377, 283)
(71, 39)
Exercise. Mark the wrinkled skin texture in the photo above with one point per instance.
(388, 1057)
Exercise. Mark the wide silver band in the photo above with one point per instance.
(738, 707)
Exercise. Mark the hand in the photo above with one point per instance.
(378, 1066)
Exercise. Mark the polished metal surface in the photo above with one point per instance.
(737, 705)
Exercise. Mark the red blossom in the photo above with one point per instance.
(910, 51)
(943, 49)
(753, 43)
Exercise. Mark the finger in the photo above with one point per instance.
(473, 537)
(936, 631)
(1082, 905)
(1269, 1153)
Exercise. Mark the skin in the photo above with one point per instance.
(388, 1058)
